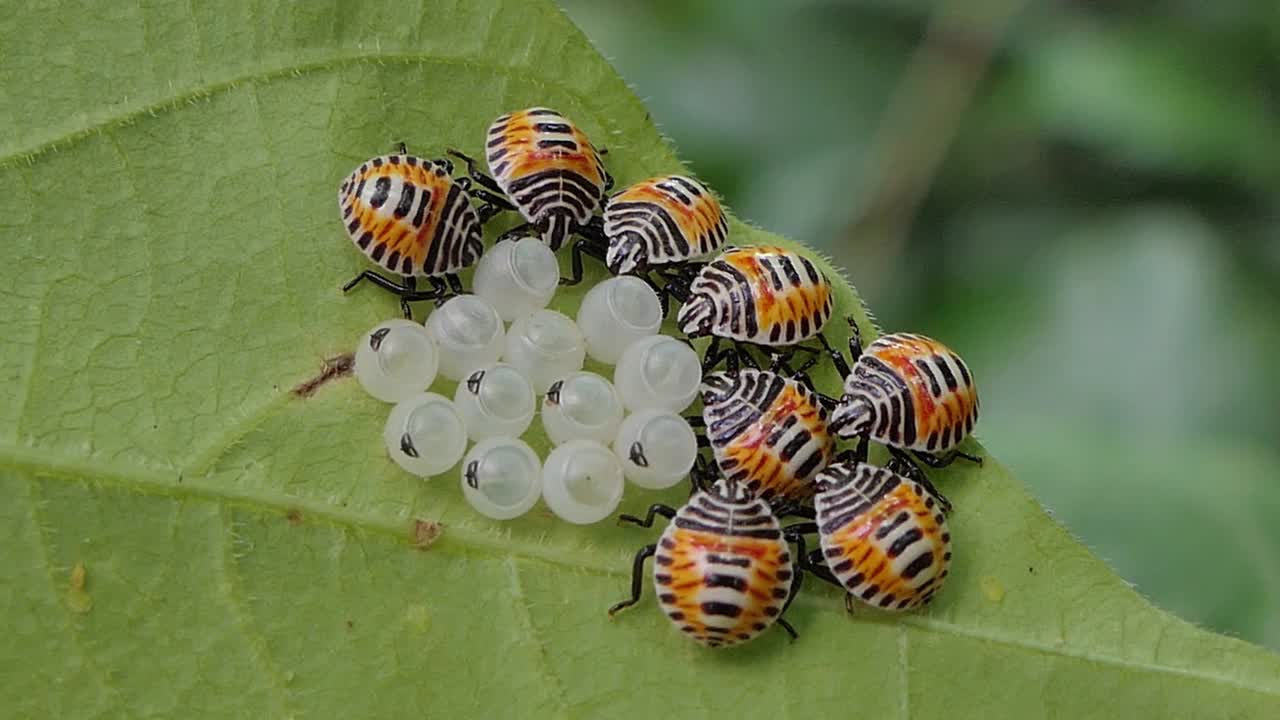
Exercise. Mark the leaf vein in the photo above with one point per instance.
(185, 98)
(254, 639)
(45, 550)
(520, 603)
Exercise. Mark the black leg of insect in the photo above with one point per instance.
(498, 203)
(473, 171)
(797, 579)
(699, 425)
(734, 357)
(812, 562)
(637, 574)
(780, 363)
(488, 211)
(816, 564)
(519, 231)
(837, 358)
(793, 509)
(854, 455)
(903, 464)
(675, 288)
(655, 510)
(934, 461)
(703, 475)
(593, 243)
(407, 291)
(730, 356)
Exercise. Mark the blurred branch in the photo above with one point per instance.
(922, 117)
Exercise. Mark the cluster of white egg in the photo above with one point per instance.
(602, 431)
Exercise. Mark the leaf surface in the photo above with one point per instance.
(183, 536)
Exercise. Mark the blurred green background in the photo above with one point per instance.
(1081, 198)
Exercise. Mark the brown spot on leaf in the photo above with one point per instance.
(294, 516)
(78, 576)
(334, 368)
(425, 533)
(78, 599)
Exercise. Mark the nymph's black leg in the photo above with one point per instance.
(404, 149)
(903, 465)
(685, 269)
(714, 356)
(703, 475)
(816, 565)
(733, 357)
(852, 455)
(813, 562)
(449, 286)
(677, 287)
(484, 195)
(487, 212)
(586, 246)
(410, 283)
(855, 339)
(637, 578)
(837, 359)
(746, 358)
(407, 291)
(799, 530)
(935, 461)
(699, 425)
(827, 401)
(815, 355)
(656, 509)
(793, 509)
(797, 580)
(780, 363)
(485, 181)
(797, 567)
(864, 448)
(520, 231)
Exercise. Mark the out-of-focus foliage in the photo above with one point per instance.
(1101, 240)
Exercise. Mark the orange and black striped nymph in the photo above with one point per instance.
(548, 169)
(768, 433)
(883, 536)
(409, 216)
(908, 392)
(723, 571)
(762, 295)
(660, 221)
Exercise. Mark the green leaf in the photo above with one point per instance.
(183, 536)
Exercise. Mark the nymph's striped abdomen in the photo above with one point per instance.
(409, 216)
(722, 571)
(769, 434)
(883, 536)
(763, 295)
(662, 220)
(548, 168)
(924, 395)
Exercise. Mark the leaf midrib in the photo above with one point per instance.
(460, 539)
(185, 97)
